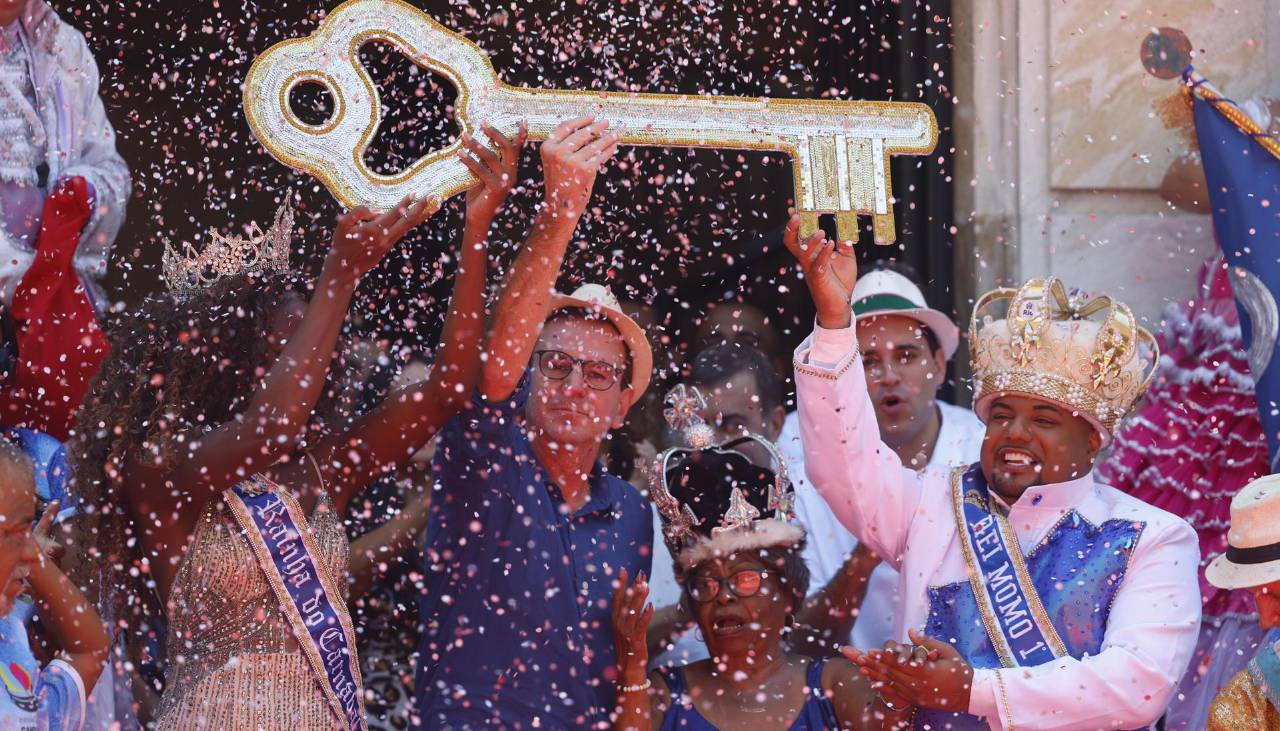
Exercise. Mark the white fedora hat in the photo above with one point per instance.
(1253, 543)
(886, 292)
(598, 299)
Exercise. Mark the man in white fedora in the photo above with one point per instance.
(528, 532)
(1251, 701)
(905, 347)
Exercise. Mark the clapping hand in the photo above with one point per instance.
(631, 617)
(929, 674)
(830, 270)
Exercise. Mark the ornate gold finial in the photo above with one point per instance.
(225, 256)
(1087, 353)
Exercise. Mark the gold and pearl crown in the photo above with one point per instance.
(228, 256)
(1086, 354)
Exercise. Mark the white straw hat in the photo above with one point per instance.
(597, 298)
(886, 292)
(1253, 543)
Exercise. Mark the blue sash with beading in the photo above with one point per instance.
(1012, 613)
(1265, 668)
(286, 552)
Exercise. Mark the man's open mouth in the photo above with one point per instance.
(892, 402)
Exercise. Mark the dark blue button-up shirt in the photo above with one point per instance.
(517, 595)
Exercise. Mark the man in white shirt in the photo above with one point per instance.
(905, 348)
(1044, 600)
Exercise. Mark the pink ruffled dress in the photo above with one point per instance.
(1193, 443)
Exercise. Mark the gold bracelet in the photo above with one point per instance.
(647, 684)
(1004, 699)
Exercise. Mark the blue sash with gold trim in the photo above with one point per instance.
(1012, 613)
(286, 551)
(1265, 668)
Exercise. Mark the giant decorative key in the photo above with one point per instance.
(840, 149)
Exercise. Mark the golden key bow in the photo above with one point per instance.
(840, 149)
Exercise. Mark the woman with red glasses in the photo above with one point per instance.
(738, 559)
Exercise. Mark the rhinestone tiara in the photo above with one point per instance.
(187, 273)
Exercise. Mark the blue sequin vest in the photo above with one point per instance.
(1076, 570)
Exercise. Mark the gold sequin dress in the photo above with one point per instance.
(233, 661)
(1242, 706)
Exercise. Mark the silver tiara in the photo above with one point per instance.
(228, 256)
(683, 412)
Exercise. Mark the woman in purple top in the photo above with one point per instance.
(738, 558)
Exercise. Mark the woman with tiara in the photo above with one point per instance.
(738, 558)
(187, 457)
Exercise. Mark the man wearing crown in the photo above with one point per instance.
(1035, 597)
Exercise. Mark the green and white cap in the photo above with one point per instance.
(886, 292)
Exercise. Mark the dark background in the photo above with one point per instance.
(676, 228)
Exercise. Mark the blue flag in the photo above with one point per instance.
(1242, 166)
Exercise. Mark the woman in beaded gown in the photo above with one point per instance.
(217, 389)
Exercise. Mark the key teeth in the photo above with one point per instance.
(884, 228)
(808, 224)
(847, 226)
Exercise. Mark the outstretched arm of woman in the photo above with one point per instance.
(832, 612)
(402, 424)
(374, 551)
(284, 399)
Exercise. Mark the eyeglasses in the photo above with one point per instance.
(557, 365)
(705, 587)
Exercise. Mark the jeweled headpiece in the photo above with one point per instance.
(227, 256)
(712, 499)
(1086, 354)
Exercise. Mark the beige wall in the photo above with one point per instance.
(1061, 147)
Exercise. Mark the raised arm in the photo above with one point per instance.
(639, 699)
(390, 434)
(72, 623)
(283, 402)
(571, 157)
(860, 477)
